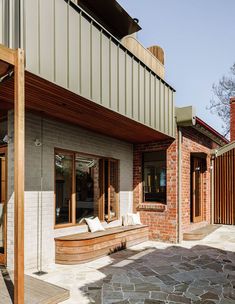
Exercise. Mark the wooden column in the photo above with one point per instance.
(19, 167)
(16, 59)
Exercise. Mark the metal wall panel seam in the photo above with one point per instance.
(10, 25)
(39, 39)
(173, 113)
(132, 88)
(68, 55)
(125, 87)
(91, 50)
(171, 117)
(101, 63)
(54, 48)
(138, 91)
(155, 104)
(164, 108)
(110, 74)
(169, 113)
(160, 106)
(22, 25)
(118, 84)
(80, 52)
(144, 108)
(150, 99)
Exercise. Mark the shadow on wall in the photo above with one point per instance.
(201, 274)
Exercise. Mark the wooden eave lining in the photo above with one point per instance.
(55, 102)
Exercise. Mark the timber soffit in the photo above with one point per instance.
(114, 39)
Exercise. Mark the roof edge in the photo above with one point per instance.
(218, 152)
(211, 130)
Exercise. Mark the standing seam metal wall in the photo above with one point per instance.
(65, 46)
(10, 26)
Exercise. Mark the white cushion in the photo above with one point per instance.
(124, 220)
(136, 219)
(94, 224)
(133, 219)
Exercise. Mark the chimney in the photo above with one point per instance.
(232, 118)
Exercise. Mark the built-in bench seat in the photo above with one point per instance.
(85, 247)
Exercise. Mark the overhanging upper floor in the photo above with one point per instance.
(50, 100)
(68, 48)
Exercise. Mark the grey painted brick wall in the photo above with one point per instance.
(56, 134)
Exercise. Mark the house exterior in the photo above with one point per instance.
(103, 137)
(188, 201)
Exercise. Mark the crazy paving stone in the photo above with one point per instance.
(147, 287)
(151, 301)
(179, 299)
(136, 295)
(229, 267)
(158, 295)
(209, 296)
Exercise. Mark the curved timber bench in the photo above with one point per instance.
(85, 247)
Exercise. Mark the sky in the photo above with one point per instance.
(198, 38)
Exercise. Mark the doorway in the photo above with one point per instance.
(198, 167)
(3, 205)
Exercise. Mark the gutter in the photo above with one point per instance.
(179, 175)
(212, 188)
(211, 130)
(186, 117)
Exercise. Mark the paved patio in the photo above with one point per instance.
(153, 272)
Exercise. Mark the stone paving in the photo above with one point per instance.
(154, 272)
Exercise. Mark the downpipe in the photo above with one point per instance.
(179, 192)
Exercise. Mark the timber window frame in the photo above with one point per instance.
(154, 176)
(108, 195)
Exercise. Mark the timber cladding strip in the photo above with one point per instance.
(85, 247)
(224, 189)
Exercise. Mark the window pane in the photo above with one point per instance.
(63, 174)
(2, 200)
(154, 179)
(113, 189)
(106, 190)
(87, 187)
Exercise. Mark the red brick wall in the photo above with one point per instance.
(194, 142)
(163, 219)
(232, 118)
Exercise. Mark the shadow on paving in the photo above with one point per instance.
(201, 274)
(5, 277)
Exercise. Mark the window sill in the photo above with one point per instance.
(146, 206)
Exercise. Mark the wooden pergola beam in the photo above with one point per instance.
(7, 55)
(16, 59)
